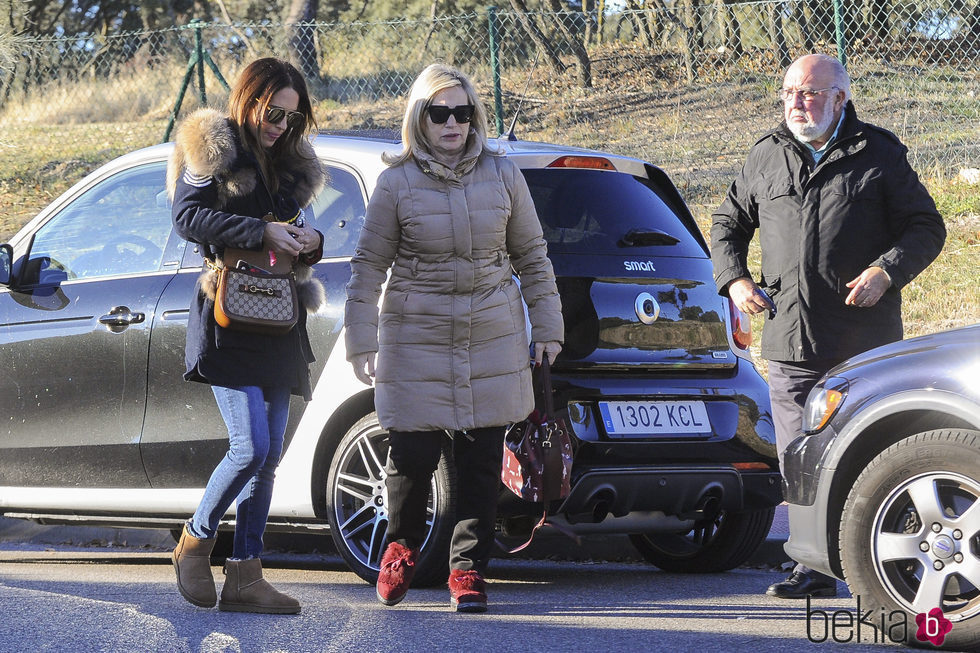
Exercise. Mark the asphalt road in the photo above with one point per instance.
(66, 598)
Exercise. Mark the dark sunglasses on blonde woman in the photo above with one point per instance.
(294, 119)
(439, 114)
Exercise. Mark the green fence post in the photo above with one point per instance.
(180, 97)
(199, 49)
(839, 31)
(198, 58)
(498, 106)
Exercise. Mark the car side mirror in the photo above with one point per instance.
(6, 264)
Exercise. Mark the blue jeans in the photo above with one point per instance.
(256, 421)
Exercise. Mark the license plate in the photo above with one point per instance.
(654, 417)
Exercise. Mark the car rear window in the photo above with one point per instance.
(602, 212)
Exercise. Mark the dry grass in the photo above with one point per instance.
(636, 109)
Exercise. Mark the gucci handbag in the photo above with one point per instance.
(537, 461)
(255, 293)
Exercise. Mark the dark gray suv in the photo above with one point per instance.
(884, 485)
(673, 434)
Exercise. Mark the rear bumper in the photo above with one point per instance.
(685, 491)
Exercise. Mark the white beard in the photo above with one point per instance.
(812, 130)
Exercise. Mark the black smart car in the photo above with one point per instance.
(673, 436)
(884, 484)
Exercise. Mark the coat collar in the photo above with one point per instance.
(851, 137)
(208, 145)
(438, 170)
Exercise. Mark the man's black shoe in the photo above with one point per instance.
(799, 585)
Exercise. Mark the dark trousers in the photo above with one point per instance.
(789, 385)
(413, 458)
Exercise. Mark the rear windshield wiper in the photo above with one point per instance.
(646, 237)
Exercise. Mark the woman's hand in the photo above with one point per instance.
(551, 349)
(308, 238)
(364, 367)
(283, 238)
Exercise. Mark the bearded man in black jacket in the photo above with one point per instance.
(844, 223)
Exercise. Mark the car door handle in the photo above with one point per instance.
(121, 317)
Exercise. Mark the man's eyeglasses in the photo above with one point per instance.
(809, 94)
(439, 114)
(294, 119)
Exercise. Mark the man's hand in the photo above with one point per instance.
(551, 349)
(868, 287)
(748, 297)
(364, 367)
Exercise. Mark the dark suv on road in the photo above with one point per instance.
(672, 430)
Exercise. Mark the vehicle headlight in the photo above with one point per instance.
(824, 400)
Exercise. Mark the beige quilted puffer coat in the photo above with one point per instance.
(452, 339)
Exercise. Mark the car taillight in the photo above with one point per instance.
(593, 162)
(741, 326)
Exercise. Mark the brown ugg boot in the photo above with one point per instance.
(192, 561)
(246, 591)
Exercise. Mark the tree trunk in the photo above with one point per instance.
(588, 6)
(301, 42)
(687, 49)
(806, 34)
(821, 20)
(655, 24)
(731, 28)
(879, 21)
(578, 47)
(777, 35)
(640, 28)
(600, 19)
(695, 21)
(539, 37)
(433, 12)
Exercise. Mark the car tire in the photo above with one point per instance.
(720, 544)
(914, 487)
(357, 505)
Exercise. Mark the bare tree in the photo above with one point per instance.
(301, 41)
(800, 14)
(539, 37)
(433, 13)
(731, 27)
(777, 35)
(244, 37)
(690, 63)
(879, 20)
(694, 20)
(640, 26)
(575, 43)
(588, 14)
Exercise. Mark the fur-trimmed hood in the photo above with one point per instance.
(207, 145)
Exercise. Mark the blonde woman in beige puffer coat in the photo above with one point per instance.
(449, 356)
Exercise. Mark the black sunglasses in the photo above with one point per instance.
(439, 114)
(294, 119)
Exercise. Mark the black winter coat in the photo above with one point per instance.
(820, 227)
(219, 199)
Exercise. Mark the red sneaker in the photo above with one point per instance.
(397, 569)
(468, 590)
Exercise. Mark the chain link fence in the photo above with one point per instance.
(688, 85)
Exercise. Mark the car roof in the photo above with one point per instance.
(375, 142)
